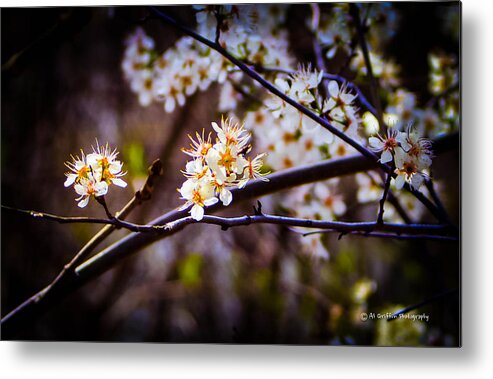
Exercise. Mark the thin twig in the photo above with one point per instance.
(398, 207)
(354, 11)
(258, 218)
(101, 200)
(384, 235)
(393, 200)
(219, 21)
(382, 200)
(438, 202)
(317, 49)
(338, 78)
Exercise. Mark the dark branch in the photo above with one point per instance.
(385, 235)
(382, 200)
(354, 10)
(338, 78)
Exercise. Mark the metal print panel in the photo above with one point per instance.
(254, 174)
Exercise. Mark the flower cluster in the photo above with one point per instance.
(249, 32)
(168, 78)
(291, 137)
(136, 65)
(443, 74)
(92, 174)
(188, 66)
(384, 70)
(332, 30)
(217, 167)
(410, 152)
(444, 80)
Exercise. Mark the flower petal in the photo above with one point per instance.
(211, 201)
(119, 182)
(197, 212)
(83, 202)
(70, 180)
(399, 182)
(226, 196)
(333, 88)
(386, 156)
(376, 143)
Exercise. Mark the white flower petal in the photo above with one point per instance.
(226, 196)
(101, 188)
(211, 201)
(169, 105)
(386, 156)
(339, 207)
(80, 189)
(399, 182)
(70, 180)
(119, 182)
(197, 212)
(333, 88)
(417, 180)
(376, 143)
(83, 202)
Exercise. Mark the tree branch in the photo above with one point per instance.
(338, 78)
(384, 197)
(228, 222)
(354, 11)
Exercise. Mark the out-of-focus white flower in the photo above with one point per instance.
(313, 246)
(370, 123)
(340, 149)
(368, 189)
(332, 204)
(333, 31)
(443, 73)
(430, 124)
(401, 108)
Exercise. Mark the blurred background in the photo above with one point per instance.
(62, 87)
